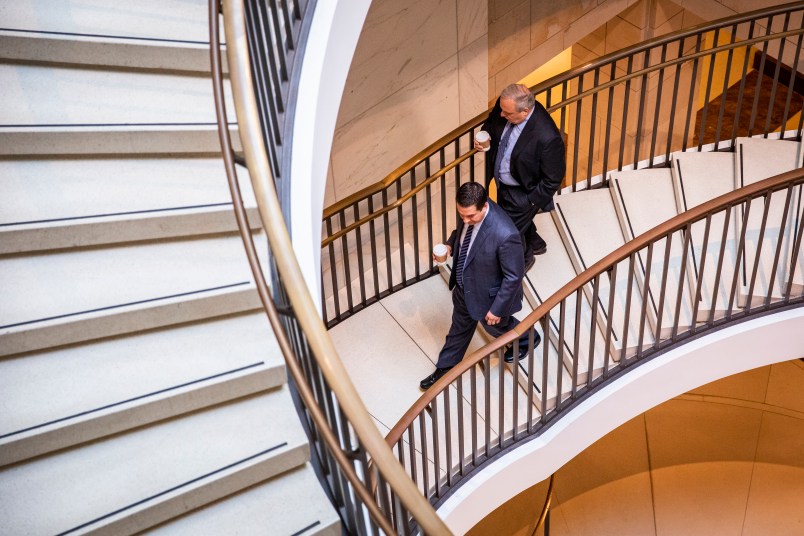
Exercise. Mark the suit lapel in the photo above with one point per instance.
(524, 136)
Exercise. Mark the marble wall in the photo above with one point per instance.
(725, 458)
(419, 71)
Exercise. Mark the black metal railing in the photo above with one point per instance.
(370, 498)
(629, 109)
(277, 33)
(754, 237)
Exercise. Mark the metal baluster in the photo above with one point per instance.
(374, 260)
(740, 252)
(782, 42)
(400, 225)
(779, 242)
(699, 275)
(643, 314)
(641, 111)
(473, 383)
(448, 433)
(758, 253)
(712, 57)
(657, 110)
(760, 73)
(434, 428)
(607, 143)
(578, 105)
(593, 123)
(359, 249)
(724, 91)
(682, 273)
(415, 221)
(720, 262)
(624, 124)
(791, 86)
(593, 329)
(609, 320)
(629, 292)
(346, 262)
(741, 92)
(674, 101)
(690, 103)
(560, 345)
(663, 289)
(576, 345)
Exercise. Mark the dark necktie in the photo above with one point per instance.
(501, 149)
(462, 255)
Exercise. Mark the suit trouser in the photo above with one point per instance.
(463, 328)
(514, 201)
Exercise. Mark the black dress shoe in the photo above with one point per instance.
(523, 349)
(540, 251)
(428, 382)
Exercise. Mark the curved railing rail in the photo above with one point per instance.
(758, 232)
(631, 108)
(370, 498)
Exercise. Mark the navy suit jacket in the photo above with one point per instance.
(538, 157)
(494, 267)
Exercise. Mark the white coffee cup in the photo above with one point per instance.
(440, 252)
(484, 139)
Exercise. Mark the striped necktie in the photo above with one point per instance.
(462, 255)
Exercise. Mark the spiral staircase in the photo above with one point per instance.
(140, 384)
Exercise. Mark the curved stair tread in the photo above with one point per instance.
(645, 199)
(61, 95)
(191, 461)
(758, 159)
(91, 279)
(112, 385)
(67, 203)
(154, 19)
(291, 503)
(698, 178)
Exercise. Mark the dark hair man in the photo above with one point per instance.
(486, 280)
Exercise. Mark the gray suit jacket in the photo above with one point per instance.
(494, 267)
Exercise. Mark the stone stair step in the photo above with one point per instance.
(758, 159)
(549, 273)
(590, 229)
(64, 203)
(110, 386)
(79, 295)
(698, 178)
(146, 19)
(38, 95)
(138, 479)
(291, 503)
(118, 140)
(645, 199)
(109, 51)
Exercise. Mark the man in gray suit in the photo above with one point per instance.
(486, 280)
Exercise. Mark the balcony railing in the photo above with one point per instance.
(631, 108)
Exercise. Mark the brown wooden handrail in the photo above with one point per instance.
(314, 333)
(677, 223)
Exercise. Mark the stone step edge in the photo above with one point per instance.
(124, 228)
(206, 489)
(150, 409)
(110, 51)
(119, 139)
(127, 319)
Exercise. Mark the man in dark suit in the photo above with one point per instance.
(527, 160)
(486, 279)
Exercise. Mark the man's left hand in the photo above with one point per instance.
(492, 319)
